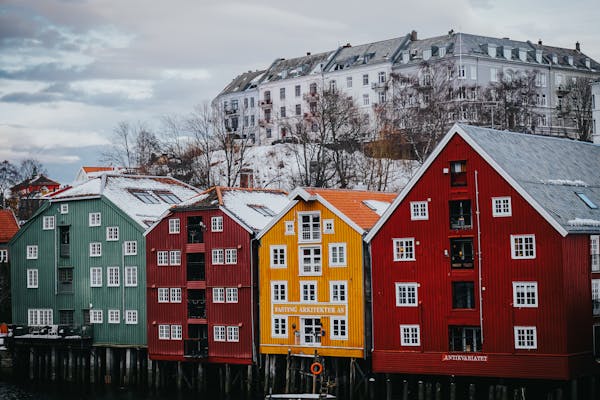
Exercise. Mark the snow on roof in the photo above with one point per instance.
(143, 198)
(378, 206)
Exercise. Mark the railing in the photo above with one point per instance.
(195, 348)
(231, 111)
(58, 331)
(196, 271)
(197, 309)
(65, 250)
(460, 221)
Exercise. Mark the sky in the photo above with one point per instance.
(71, 70)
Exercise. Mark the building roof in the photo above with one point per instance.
(366, 54)
(295, 67)
(8, 225)
(242, 82)
(555, 175)
(143, 198)
(38, 180)
(255, 208)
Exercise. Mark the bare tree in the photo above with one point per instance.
(9, 176)
(576, 104)
(30, 168)
(134, 146)
(199, 124)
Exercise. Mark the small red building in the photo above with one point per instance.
(202, 276)
(482, 266)
(38, 185)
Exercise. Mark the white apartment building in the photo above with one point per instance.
(596, 112)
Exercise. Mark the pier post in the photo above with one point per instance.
(92, 366)
(108, 376)
(287, 372)
(249, 381)
(70, 367)
(179, 375)
(127, 377)
(31, 364)
(53, 367)
(227, 380)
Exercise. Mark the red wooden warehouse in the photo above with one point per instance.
(201, 276)
(482, 267)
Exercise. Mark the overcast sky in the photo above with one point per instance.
(70, 70)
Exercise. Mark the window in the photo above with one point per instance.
(66, 317)
(282, 112)
(163, 295)
(162, 258)
(114, 316)
(460, 214)
(174, 225)
(279, 327)
(39, 316)
(365, 79)
(297, 90)
(463, 295)
(218, 295)
(461, 253)
(404, 249)
(131, 276)
(458, 173)
(522, 246)
(131, 317)
(282, 93)
(175, 257)
(308, 291)
(176, 332)
(95, 249)
(462, 74)
(595, 252)
(65, 280)
(298, 109)
(473, 72)
(216, 224)
(596, 296)
(366, 100)
(233, 334)
(164, 332)
(339, 328)
(332, 85)
(501, 207)
(410, 335)
(32, 279)
(309, 227)
(112, 276)
(525, 337)
(525, 294)
(337, 254)
(310, 260)
(96, 316)
(32, 252)
(279, 291)
(130, 247)
(48, 223)
(145, 197)
(588, 202)
(418, 210)
(494, 74)
(328, 226)
(218, 256)
(231, 295)
(3, 255)
(338, 291)
(407, 295)
(311, 331)
(175, 295)
(112, 233)
(349, 81)
(230, 256)
(465, 338)
(289, 227)
(96, 277)
(278, 256)
(95, 219)
(219, 333)
(64, 208)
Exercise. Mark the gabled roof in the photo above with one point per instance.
(295, 67)
(8, 225)
(358, 208)
(242, 82)
(254, 208)
(38, 180)
(548, 172)
(366, 54)
(124, 190)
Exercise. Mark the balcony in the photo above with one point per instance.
(379, 86)
(311, 96)
(195, 348)
(460, 214)
(231, 111)
(196, 309)
(196, 267)
(266, 103)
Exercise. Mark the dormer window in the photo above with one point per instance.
(441, 52)
(167, 197)
(523, 54)
(458, 173)
(145, 197)
(262, 210)
(426, 54)
(492, 50)
(588, 202)
(507, 52)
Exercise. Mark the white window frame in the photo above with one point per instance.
(48, 223)
(40, 316)
(94, 219)
(280, 321)
(95, 249)
(514, 247)
(339, 321)
(164, 332)
(175, 295)
(219, 333)
(403, 243)
(112, 233)
(218, 295)
(96, 316)
(278, 256)
(524, 289)
(131, 317)
(328, 226)
(525, 330)
(404, 298)
(233, 333)
(113, 278)
(276, 291)
(406, 335)
(231, 295)
(32, 278)
(337, 290)
(314, 268)
(176, 332)
(341, 255)
(131, 276)
(162, 258)
(501, 206)
(163, 295)
(419, 210)
(174, 226)
(130, 248)
(64, 208)
(3, 255)
(230, 256)
(114, 316)
(312, 286)
(175, 257)
(289, 227)
(216, 224)
(314, 235)
(595, 296)
(32, 252)
(218, 257)
(96, 277)
(595, 253)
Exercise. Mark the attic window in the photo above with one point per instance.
(167, 197)
(262, 210)
(588, 202)
(144, 197)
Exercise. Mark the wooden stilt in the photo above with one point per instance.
(266, 371)
(420, 390)
(127, 372)
(71, 362)
(108, 375)
(227, 381)
(352, 376)
(179, 375)
(287, 372)
(472, 391)
(249, 381)
(53, 366)
(574, 389)
(31, 363)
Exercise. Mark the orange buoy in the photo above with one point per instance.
(316, 368)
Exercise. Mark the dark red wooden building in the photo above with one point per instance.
(201, 276)
(482, 266)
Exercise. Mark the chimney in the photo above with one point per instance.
(577, 46)
(308, 53)
(413, 36)
(347, 45)
(540, 42)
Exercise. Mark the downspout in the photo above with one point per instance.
(122, 278)
(479, 253)
(252, 295)
(55, 257)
